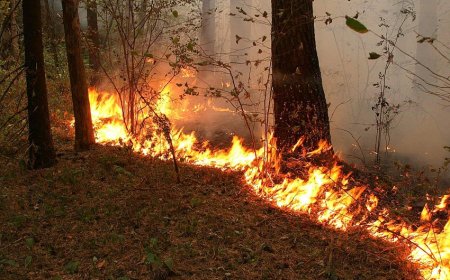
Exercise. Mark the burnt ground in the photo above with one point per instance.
(109, 214)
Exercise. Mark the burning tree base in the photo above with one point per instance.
(322, 192)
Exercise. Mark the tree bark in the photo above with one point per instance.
(50, 26)
(208, 29)
(240, 34)
(300, 107)
(94, 40)
(41, 151)
(84, 132)
(9, 39)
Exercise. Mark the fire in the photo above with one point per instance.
(188, 72)
(107, 117)
(324, 193)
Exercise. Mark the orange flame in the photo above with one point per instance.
(324, 193)
(188, 72)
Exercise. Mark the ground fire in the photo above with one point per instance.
(325, 193)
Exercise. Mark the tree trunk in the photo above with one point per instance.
(9, 40)
(208, 29)
(300, 107)
(50, 26)
(240, 34)
(84, 132)
(94, 40)
(41, 151)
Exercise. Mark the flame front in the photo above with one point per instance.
(324, 193)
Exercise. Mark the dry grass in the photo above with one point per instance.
(108, 214)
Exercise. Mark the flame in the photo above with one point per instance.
(188, 72)
(324, 193)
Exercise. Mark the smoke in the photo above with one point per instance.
(420, 131)
(417, 134)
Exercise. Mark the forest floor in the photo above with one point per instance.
(111, 214)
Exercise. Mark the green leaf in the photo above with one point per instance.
(150, 258)
(30, 242)
(9, 262)
(175, 13)
(28, 261)
(374, 55)
(169, 263)
(176, 40)
(190, 46)
(121, 170)
(355, 25)
(153, 242)
(72, 267)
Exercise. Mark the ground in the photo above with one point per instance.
(111, 214)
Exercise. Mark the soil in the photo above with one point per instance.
(111, 214)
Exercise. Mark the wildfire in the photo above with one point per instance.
(325, 193)
(188, 72)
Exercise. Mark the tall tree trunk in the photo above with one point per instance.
(94, 40)
(9, 41)
(41, 151)
(300, 106)
(84, 132)
(50, 26)
(208, 29)
(240, 33)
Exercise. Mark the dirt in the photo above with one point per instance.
(111, 214)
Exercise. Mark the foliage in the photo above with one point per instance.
(72, 267)
(385, 111)
(141, 28)
(356, 25)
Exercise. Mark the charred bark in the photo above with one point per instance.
(84, 132)
(94, 40)
(300, 106)
(41, 150)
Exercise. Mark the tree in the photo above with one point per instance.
(240, 33)
(208, 28)
(9, 43)
(84, 132)
(41, 150)
(52, 36)
(300, 107)
(94, 40)
(137, 52)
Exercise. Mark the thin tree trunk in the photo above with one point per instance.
(84, 132)
(14, 31)
(41, 151)
(50, 26)
(94, 40)
(300, 106)
(9, 41)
